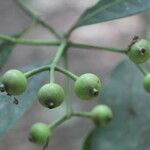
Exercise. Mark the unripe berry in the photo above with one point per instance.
(146, 82)
(139, 51)
(51, 95)
(87, 86)
(39, 133)
(14, 82)
(101, 115)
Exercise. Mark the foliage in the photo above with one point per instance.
(105, 10)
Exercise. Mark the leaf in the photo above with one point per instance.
(9, 112)
(6, 48)
(106, 10)
(130, 127)
(87, 142)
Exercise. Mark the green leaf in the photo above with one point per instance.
(106, 10)
(87, 142)
(6, 48)
(9, 112)
(130, 127)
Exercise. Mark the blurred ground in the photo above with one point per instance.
(61, 14)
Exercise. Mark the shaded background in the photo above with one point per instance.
(61, 14)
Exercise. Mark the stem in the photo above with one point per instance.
(56, 43)
(34, 15)
(28, 41)
(67, 35)
(66, 72)
(47, 68)
(45, 147)
(67, 88)
(65, 117)
(26, 29)
(58, 122)
(88, 46)
(57, 57)
(36, 71)
(142, 69)
(82, 114)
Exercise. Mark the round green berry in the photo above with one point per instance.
(101, 115)
(51, 95)
(146, 82)
(139, 52)
(39, 133)
(87, 86)
(15, 82)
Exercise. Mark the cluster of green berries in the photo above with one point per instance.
(87, 87)
(51, 95)
(100, 114)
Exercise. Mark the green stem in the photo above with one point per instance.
(142, 69)
(65, 117)
(34, 15)
(45, 147)
(36, 71)
(56, 43)
(58, 122)
(29, 27)
(67, 88)
(47, 68)
(28, 41)
(67, 35)
(82, 114)
(66, 72)
(56, 59)
(88, 46)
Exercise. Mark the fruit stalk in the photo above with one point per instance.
(56, 59)
(68, 99)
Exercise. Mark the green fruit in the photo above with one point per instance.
(51, 95)
(101, 115)
(139, 52)
(146, 82)
(87, 86)
(39, 133)
(15, 82)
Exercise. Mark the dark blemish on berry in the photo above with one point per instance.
(134, 40)
(108, 119)
(143, 50)
(51, 105)
(96, 121)
(94, 92)
(31, 139)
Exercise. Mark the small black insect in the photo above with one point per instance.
(15, 101)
